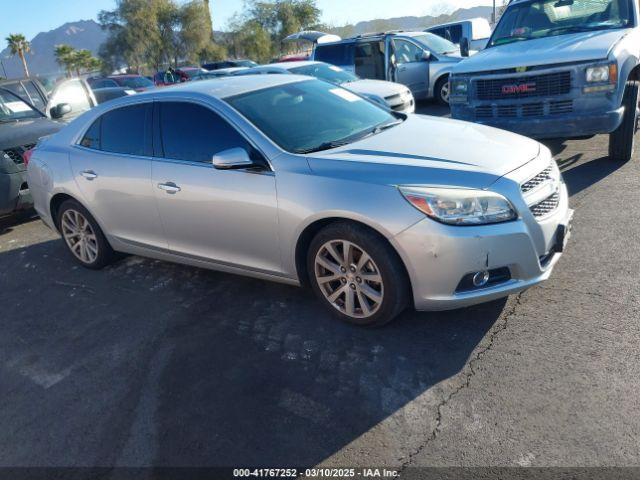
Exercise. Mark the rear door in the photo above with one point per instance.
(226, 216)
(112, 168)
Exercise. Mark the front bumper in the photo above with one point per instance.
(438, 256)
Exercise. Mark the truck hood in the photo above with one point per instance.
(375, 87)
(24, 132)
(576, 47)
(430, 151)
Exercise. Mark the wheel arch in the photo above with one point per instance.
(54, 205)
(310, 231)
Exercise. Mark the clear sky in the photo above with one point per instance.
(30, 17)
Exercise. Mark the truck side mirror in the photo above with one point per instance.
(464, 47)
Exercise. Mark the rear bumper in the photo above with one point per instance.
(438, 257)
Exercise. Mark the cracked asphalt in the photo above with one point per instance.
(151, 364)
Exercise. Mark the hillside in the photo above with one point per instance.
(41, 60)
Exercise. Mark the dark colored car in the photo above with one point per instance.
(135, 82)
(21, 126)
(28, 89)
(100, 82)
(110, 93)
(229, 64)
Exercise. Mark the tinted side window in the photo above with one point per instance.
(127, 130)
(91, 139)
(341, 54)
(455, 32)
(195, 133)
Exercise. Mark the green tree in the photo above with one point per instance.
(64, 57)
(76, 61)
(19, 45)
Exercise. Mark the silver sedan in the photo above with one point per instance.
(295, 180)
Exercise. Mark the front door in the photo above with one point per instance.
(225, 216)
(411, 69)
(112, 168)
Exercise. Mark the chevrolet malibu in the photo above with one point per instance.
(292, 179)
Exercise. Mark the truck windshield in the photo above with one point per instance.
(544, 18)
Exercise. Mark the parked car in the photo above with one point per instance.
(391, 95)
(100, 82)
(221, 72)
(557, 69)
(476, 30)
(21, 126)
(229, 64)
(421, 61)
(165, 78)
(30, 90)
(135, 82)
(292, 179)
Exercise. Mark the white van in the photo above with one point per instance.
(476, 30)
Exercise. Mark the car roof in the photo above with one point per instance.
(124, 75)
(225, 87)
(371, 36)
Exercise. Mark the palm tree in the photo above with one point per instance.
(64, 58)
(19, 45)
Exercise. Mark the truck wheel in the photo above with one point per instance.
(622, 140)
(442, 91)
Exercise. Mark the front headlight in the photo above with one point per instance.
(457, 206)
(602, 73)
(459, 87)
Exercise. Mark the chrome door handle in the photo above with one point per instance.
(89, 174)
(169, 187)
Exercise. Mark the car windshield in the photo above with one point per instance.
(544, 18)
(323, 71)
(312, 115)
(13, 108)
(134, 82)
(245, 63)
(436, 44)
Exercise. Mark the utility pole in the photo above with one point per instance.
(493, 14)
(4, 71)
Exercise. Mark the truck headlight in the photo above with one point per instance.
(601, 78)
(459, 90)
(458, 206)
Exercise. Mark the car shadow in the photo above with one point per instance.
(8, 223)
(150, 363)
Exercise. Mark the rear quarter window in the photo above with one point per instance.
(341, 54)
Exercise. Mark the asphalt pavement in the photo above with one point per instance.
(152, 364)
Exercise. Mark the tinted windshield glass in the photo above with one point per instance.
(135, 82)
(536, 19)
(435, 43)
(311, 115)
(12, 108)
(329, 73)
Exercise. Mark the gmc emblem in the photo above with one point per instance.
(520, 88)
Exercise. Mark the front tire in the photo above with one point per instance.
(357, 275)
(83, 237)
(622, 140)
(442, 91)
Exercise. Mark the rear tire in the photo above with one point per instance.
(442, 91)
(622, 140)
(83, 236)
(356, 275)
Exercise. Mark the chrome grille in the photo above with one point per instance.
(546, 206)
(549, 84)
(539, 179)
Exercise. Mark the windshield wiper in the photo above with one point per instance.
(509, 39)
(324, 146)
(353, 138)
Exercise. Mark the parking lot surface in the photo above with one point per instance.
(149, 363)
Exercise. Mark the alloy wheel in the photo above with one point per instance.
(445, 91)
(79, 235)
(349, 279)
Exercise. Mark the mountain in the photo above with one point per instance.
(41, 60)
(412, 23)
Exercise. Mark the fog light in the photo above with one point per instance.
(480, 279)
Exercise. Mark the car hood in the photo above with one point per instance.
(576, 47)
(375, 87)
(24, 132)
(430, 151)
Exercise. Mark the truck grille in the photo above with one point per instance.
(538, 109)
(549, 84)
(15, 153)
(546, 206)
(538, 180)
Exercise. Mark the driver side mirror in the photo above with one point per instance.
(60, 110)
(464, 47)
(233, 158)
(426, 56)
